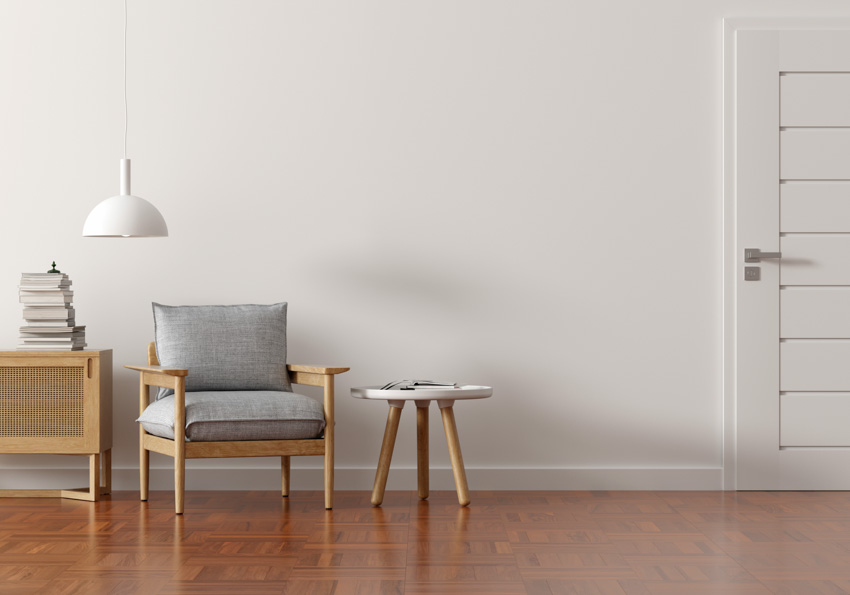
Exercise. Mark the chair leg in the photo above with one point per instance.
(179, 443)
(329, 473)
(329, 441)
(144, 473)
(284, 476)
(144, 455)
(179, 481)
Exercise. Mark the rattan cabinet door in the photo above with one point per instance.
(48, 404)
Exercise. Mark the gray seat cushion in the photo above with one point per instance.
(239, 347)
(238, 415)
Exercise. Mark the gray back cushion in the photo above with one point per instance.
(224, 347)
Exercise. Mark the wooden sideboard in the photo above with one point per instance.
(58, 402)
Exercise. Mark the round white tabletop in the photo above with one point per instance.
(464, 391)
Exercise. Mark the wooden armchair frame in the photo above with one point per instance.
(155, 375)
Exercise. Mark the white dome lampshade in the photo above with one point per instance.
(125, 216)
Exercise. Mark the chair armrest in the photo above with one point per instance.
(290, 367)
(160, 370)
(315, 369)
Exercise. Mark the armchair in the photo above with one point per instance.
(232, 423)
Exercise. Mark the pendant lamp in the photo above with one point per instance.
(125, 215)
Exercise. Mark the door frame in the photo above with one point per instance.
(731, 260)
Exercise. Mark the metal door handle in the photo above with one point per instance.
(755, 255)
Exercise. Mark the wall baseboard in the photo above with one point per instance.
(240, 478)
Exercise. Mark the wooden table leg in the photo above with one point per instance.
(386, 452)
(422, 410)
(448, 415)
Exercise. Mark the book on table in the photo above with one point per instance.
(43, 287)
(50, 347)
(45, 280)
(46, 277)
(50, 323)
(52, 336)
(74, 338)
(45, 298)
(418, 385)
(48, 312)
(78, 343)
(47, 345)
(52, 329)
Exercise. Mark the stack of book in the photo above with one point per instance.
(48, 314)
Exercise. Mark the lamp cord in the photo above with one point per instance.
(125, 79)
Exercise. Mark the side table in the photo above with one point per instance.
(58, 402)
(396, 399)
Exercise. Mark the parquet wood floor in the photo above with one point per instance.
(537, 543)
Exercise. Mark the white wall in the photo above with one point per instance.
(522, 194)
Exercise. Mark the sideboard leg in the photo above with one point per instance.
(107, 471)
(94, 477)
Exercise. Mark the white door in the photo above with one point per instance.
(791, 195)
